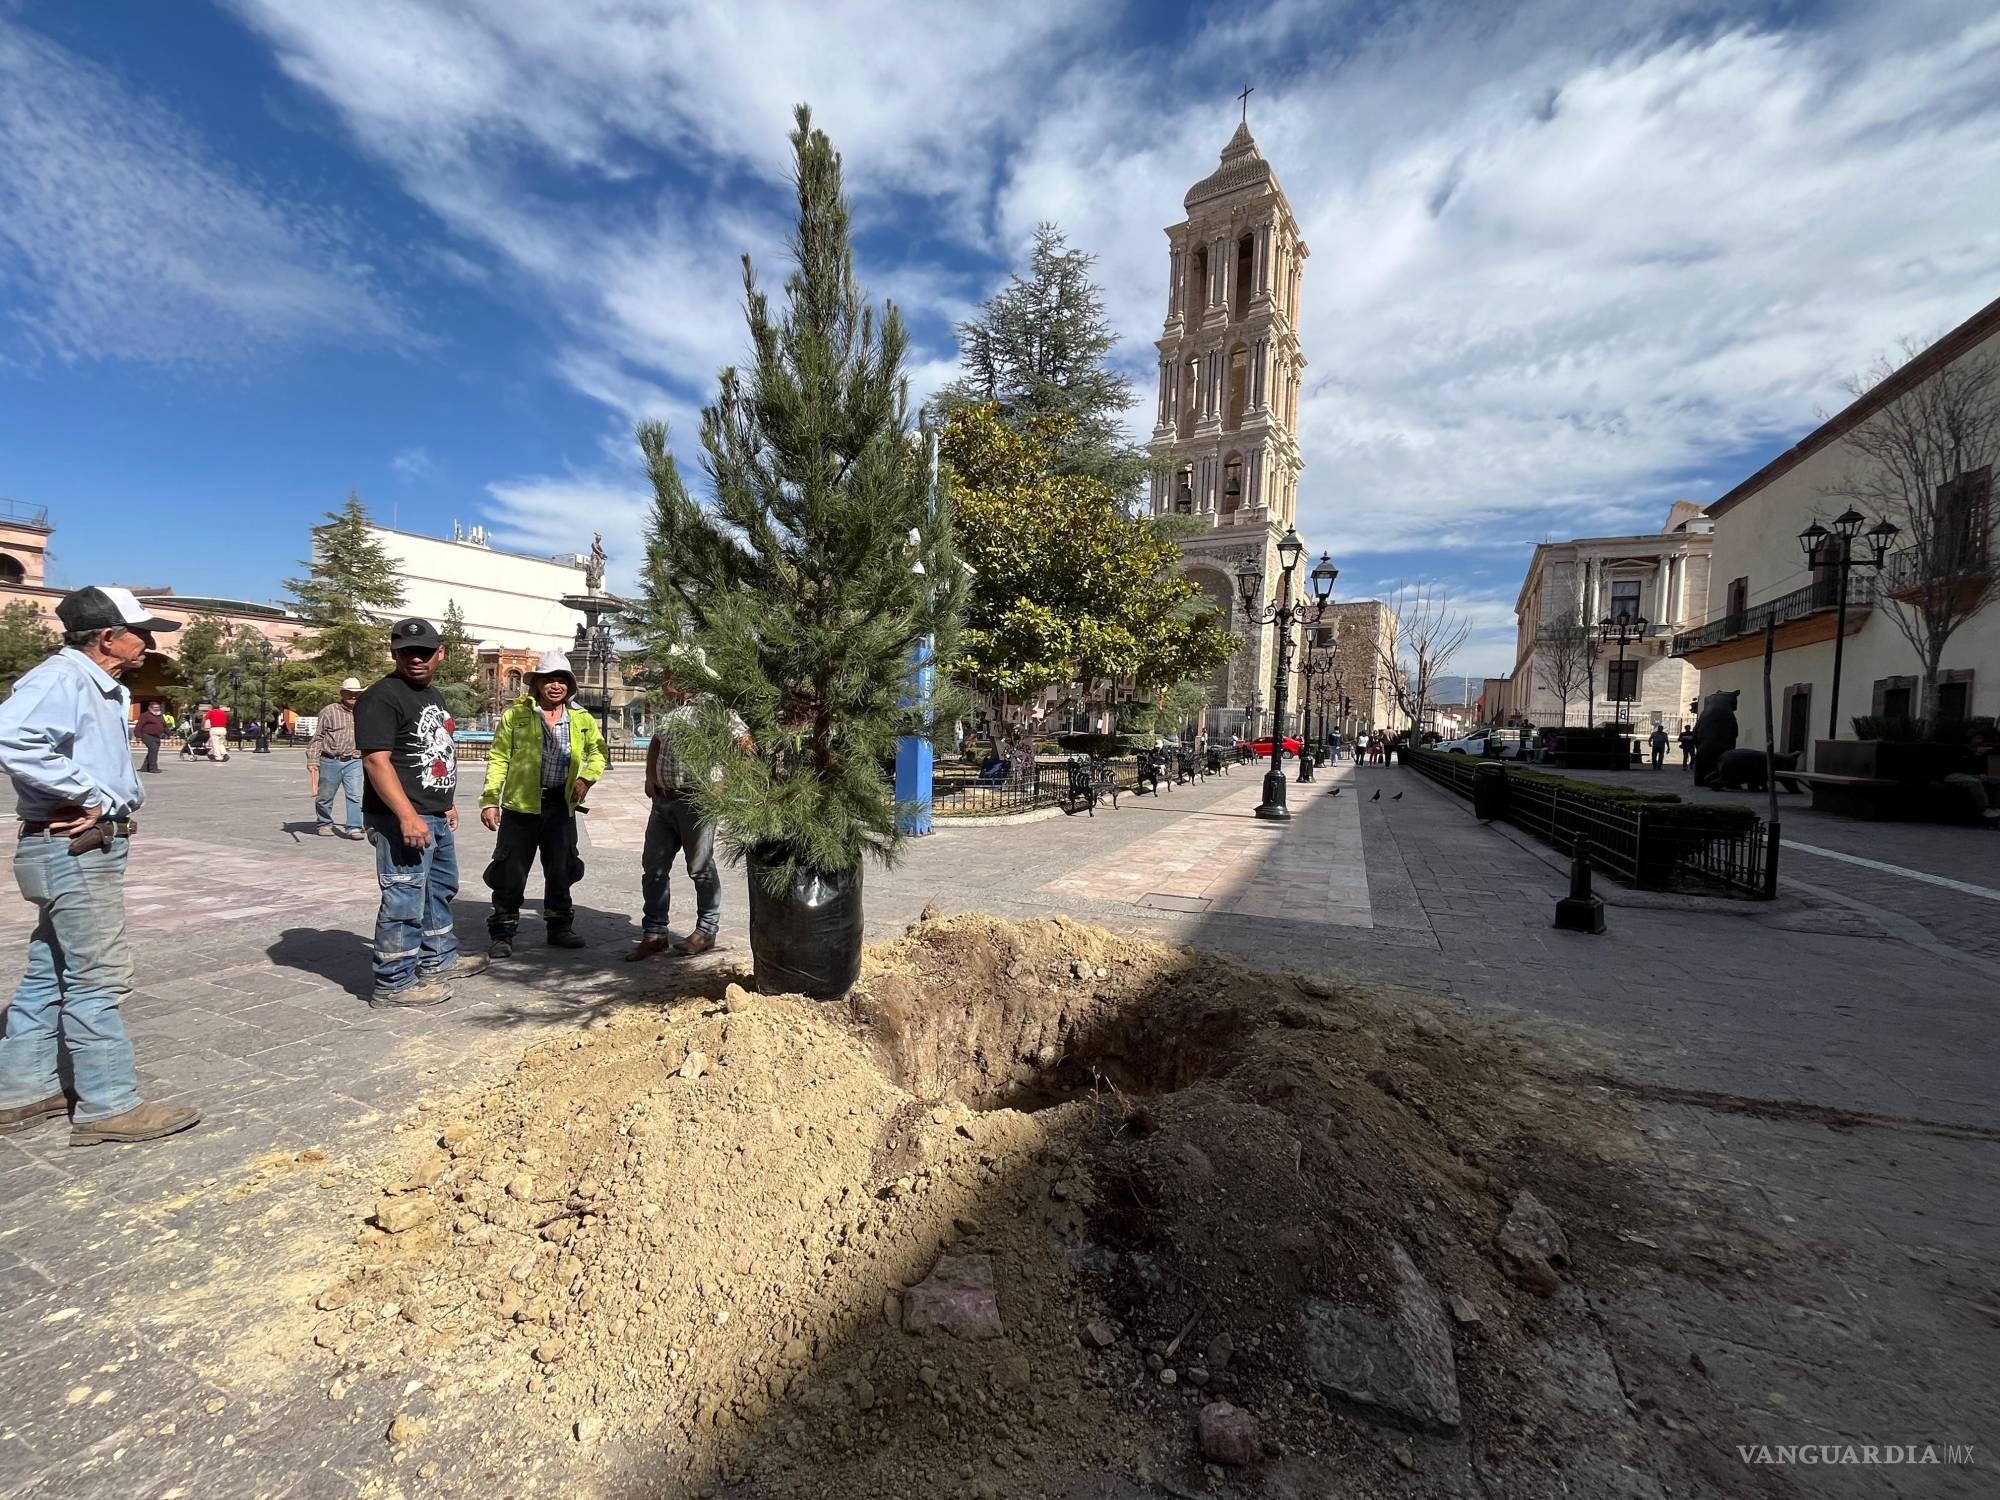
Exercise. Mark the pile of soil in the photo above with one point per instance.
(683, 1252)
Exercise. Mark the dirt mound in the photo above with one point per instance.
(1005, 1224)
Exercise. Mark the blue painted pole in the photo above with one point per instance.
(913, 751)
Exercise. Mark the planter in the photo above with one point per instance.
(1886, 760)
(1489, 792)
(806, 940)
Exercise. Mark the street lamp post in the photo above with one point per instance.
(1624, 630)
(1282, 613)
(1314, 666)
(1818, 541)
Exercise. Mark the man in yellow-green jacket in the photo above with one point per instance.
(546, 755)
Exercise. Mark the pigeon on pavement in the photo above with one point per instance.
(1397, 798)
(1378, 795)
(1334, 793)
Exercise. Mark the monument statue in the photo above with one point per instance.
(593, 573)
(1714, 734)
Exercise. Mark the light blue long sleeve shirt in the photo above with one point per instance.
(65, 740)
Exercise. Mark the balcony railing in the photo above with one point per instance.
(20, 510)
(1821, 594)
(1909, 572)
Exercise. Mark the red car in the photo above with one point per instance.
(1262, 747)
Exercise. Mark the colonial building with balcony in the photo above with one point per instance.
(1228, 400)
(1569, 667)
(1764, 578)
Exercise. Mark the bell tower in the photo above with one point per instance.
(1228, 403)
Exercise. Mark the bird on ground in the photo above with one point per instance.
(1397, 798)
(1377, 797)
(1334, 793)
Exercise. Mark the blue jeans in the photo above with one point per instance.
(673, 829)
(413, 936)
(79, 972)
(338, 775)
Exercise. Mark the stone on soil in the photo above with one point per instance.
(1228, 1434)
(1533, 1245)
(956, 1298)
(399, 1214)
(1401, 1364)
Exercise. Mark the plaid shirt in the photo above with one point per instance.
(334, 736)
(555, 750)
(665, 769)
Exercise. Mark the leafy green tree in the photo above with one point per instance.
(254, 669)
(1039, 352)
(203, 656)
(819, 564)
(24, 641)
(1066, 585)
(458, 677)
(350, 585)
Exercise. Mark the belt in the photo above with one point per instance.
(120, 828)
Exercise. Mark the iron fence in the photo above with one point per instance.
(1821, 593)
(1652, 845)
(617, 755)
(964, 793)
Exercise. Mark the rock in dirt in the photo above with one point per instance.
(1463, 1311)
(1098, 1334)
(1401, 1363)
(1228, 1434)
(1532, 1245)
(405, 1428)
(395, 1215)
(694, 1065)
(956, 1298)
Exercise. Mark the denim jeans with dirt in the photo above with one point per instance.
(414, 941)
(79, 973)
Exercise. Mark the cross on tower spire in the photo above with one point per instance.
(1245, 98)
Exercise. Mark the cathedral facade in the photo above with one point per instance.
(1228, 404)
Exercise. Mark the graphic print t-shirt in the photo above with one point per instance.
(414, 726)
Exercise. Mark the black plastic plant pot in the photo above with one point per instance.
(806, 940)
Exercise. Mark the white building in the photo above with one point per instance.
(1565, 671)
(1762, 575)
(510, 600)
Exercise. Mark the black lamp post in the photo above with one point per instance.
(1282, 614)
(1624, 630)
(1834, 548)
(1315, 665)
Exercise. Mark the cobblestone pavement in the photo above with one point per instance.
(1820, 1059)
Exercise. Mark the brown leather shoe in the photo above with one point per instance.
(144, 1122)
(696, 942)
(411, 996)
(25, 1116)
(646, 947)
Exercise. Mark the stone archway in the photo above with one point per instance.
(1216, 587)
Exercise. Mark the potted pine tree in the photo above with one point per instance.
(819, 565)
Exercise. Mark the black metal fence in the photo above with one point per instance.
(613, 754)
(1652, 845)
(1079, 784)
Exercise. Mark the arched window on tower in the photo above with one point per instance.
(1239, 389)
(1246, 260)
(1198, 281)
(1232, 483)
(1190, 395)
(11, 570)
(1184, 491)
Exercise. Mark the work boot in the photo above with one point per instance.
(327, 831)
(464, 966)
(143, 1122)
(566, 937)
(695, 943)
(646, 947)
(423, 993)
(499, 948)
(25, 1116)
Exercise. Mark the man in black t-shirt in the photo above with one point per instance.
(404, 733)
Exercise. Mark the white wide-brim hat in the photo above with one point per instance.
(553, 664)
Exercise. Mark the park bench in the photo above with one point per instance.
(1881, 797)
(1089, 780)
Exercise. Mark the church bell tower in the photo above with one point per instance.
(1230, 371)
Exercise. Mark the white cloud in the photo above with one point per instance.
(411, 464)
(552, 515)
(121, 238)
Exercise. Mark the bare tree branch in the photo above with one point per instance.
(1428, 635)
(1566, 650)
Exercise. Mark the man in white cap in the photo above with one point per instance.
(546, 755)
(63, 744)
(334, 763)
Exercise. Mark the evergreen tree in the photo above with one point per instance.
(24, 641)
(458, 676)
(349, 588)
(819, 564)
(1039, 351)
(203, 656)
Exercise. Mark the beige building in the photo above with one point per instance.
(1568, 668)
(1228, 401)
(1363, 634)
(511, 600)
(1762, 574)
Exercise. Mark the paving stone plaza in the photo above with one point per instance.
(1825, 1060)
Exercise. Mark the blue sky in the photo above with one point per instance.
(1569, 260)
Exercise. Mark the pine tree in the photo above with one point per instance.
(24, 641)
(349, 588)
(819, 564)
(203, 656)
(458, 675)
(1039, 351)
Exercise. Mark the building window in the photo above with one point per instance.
(1621, 681)
(1962, 525)
(514, 680)
(1954, 697)
(1625, 599)
(1739, 601)
(11, 570)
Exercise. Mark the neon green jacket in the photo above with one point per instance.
(514, 763)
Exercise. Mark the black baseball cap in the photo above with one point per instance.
(107, 609)
(414, 635)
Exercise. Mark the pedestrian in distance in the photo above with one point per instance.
(1687, 746)
(152, 728)
(64, 744)
(217, 719)
(260, 736)
(1658, 740)
(546, 755)
(333, 764)
(404, 733)
(674, 826)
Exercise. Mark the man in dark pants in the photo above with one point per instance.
(1658, 741)
(546, 755)
(675, 827)
(152, 729)
(404, 733)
